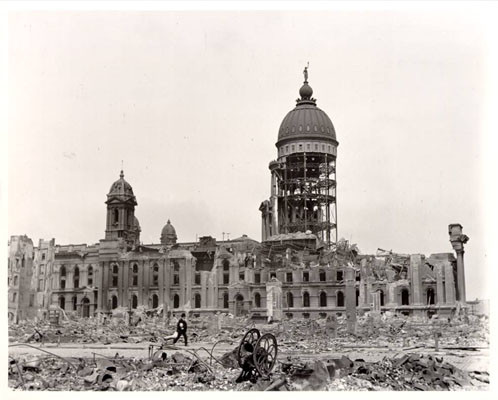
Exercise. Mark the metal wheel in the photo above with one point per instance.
(251, 337)
(265, 354)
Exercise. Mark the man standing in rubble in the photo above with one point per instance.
(181, 329)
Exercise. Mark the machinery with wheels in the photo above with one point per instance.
(256, 355)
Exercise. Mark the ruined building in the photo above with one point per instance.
(299, 270)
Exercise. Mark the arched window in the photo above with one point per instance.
(381, 297)
(197, 300)
(323, 299)
(323, 276)
(430, 296)
(306, 299)
(90, 276)
(340, 299)
(62, 282)
(155, 301)
(134, 276)
(357, 297)
(76, 277)
(290, 300)
(114, 303)
(225, 300)
(115, 275)
(257, 300)
(176, 301)
(134, 301)
(62, 302)
(16, 280)
(155, 275)
(14, 297)
(405, 297)
(75, 303)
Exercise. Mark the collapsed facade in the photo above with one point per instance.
(300, 269)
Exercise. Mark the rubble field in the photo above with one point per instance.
(386, 352)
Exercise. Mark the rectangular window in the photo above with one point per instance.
(43, 256)
(241, 276)
(135, 280)
(90, 281)
(293, 148)
(115, 281)
(226, 279)
(31, 300)
(288, 277)
(197, 279)
(339, 276)
(257, 277)
(176, 279)
(306, 276)
(308, 146)
(316, 146)
(286, 149)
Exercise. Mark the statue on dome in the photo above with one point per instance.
(305, 72)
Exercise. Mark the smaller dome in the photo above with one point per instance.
(121, 187)
(136, 224)
(168, 234)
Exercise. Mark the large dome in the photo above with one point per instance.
(306, 120)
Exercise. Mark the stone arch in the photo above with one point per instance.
(257, 300)
(85, 307)
(114, 302)
(155, 300)
(323, 299)
(306, 299)
(340, 299)
(290, 300)
(197, 300)
(431, 296)
(405, 297)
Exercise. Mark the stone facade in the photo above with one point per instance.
(299, 269)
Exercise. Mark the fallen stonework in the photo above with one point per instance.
(386, 352)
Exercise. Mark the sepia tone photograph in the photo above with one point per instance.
(266, 198)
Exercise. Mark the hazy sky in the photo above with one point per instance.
(192, 103)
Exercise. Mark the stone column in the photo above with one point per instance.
(140, 282)
(350, 299)
(391, 296)
(449, 283)
(368, 291)
(188, 266)
(147, 282)
(415, 278)
(274, 300)
(204, 288)
(160, 283)
(122, 301)
(439, 284)
(105, 286)
(99, 278)
(458, 239)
